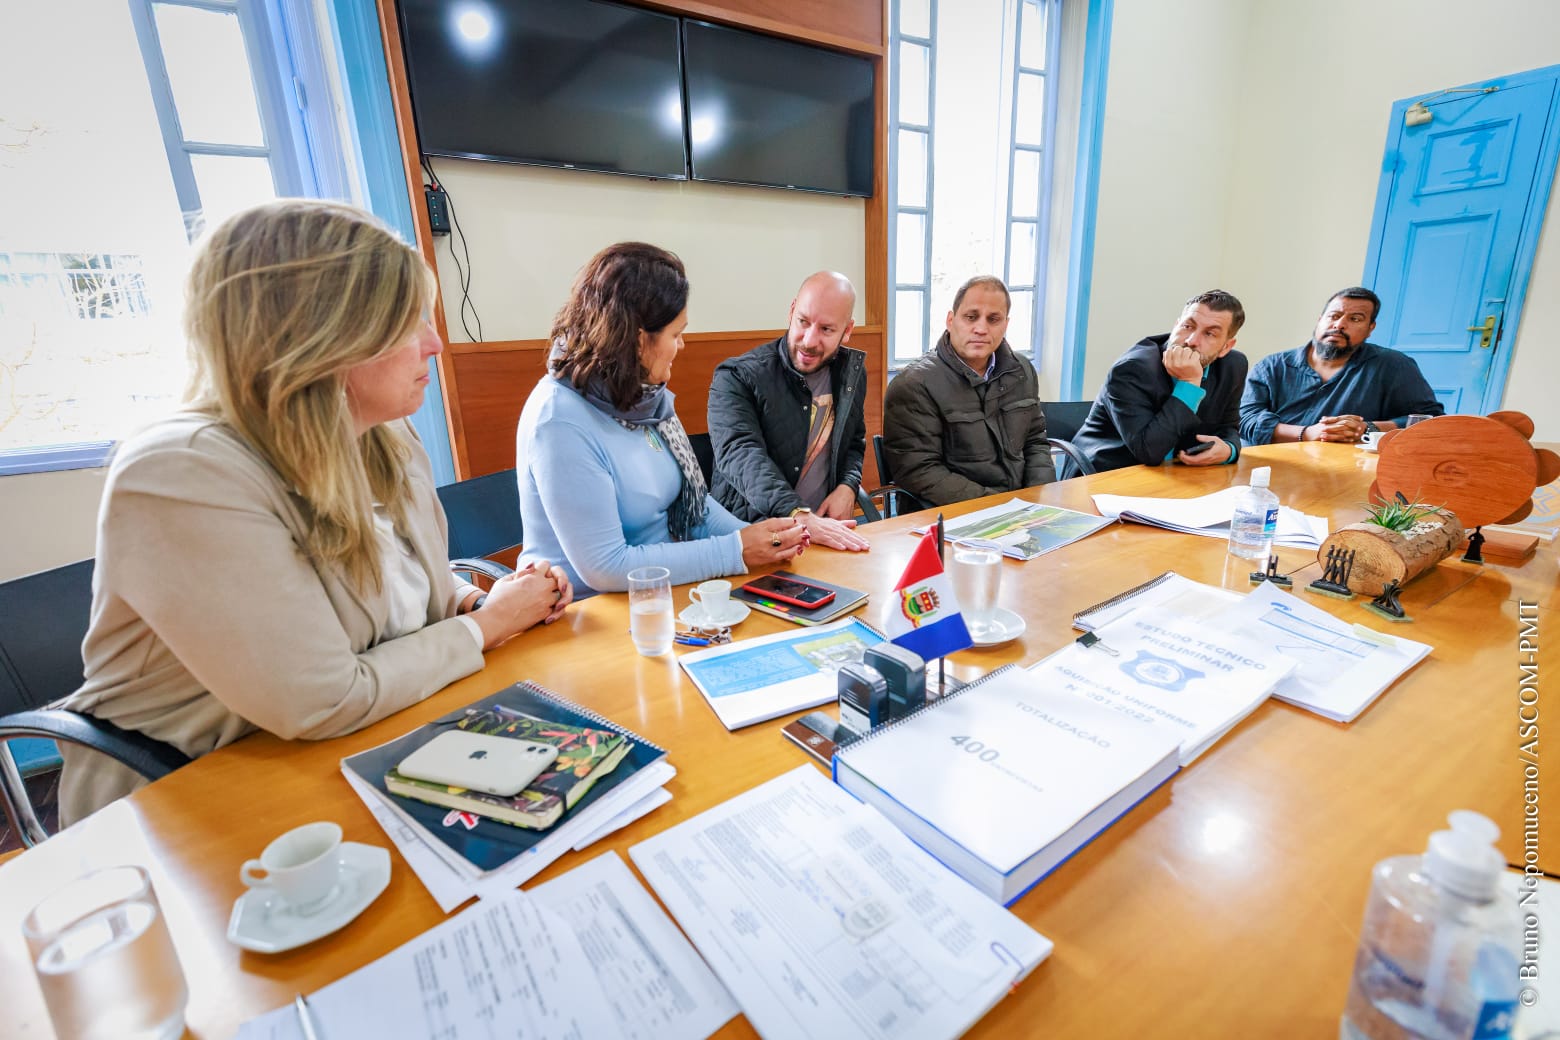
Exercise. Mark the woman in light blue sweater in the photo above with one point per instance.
(608, 480)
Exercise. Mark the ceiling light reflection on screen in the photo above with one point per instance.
(704, 129)
(671, 112)
(474, 29)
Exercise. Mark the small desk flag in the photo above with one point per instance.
(925, 616)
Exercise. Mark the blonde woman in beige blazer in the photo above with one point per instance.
(274, 557)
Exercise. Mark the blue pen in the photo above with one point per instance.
(690, 640)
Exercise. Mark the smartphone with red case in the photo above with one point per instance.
(795, 591)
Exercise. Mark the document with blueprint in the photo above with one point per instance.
(823, 920)
(1341, 669)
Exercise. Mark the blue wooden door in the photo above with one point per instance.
(1464, 193)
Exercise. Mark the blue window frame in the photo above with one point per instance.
(1030, 162)
(242, 91)
(912, 90)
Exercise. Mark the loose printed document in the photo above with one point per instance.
(824, 921)
(1341, 668)
(1210, 516)
(586, 956)
(757, 679)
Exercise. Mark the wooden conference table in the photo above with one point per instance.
(1226, 904)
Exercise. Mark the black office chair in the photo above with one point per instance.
(888, 499)
(1068, 460)
(1063, 419)
(704, 451)
(43, 619)
(483, 514)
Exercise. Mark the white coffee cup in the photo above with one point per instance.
(301, 866)
(713, 597)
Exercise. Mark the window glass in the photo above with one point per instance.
(1031, 128)
(1021, 254)
(1026, 183)
(909, 313)
(229, 183)
(915, 18)
(209, 73)
(910, 254)
(1031, 43)
(912, 168)
(914, 84)
(1020, 332)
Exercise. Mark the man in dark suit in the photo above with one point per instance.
(1173, 396)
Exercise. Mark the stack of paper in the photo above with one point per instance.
(1210, 515)
(457, 855)
(1006, 778)
(1341, 668)
(588, 954)
(824, 921)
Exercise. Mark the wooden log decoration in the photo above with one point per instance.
(1382, 555)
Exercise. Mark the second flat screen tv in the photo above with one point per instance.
(767, 111)
(573, 83)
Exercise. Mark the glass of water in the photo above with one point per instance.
(650, 610)
(977, 577)
(104, 959)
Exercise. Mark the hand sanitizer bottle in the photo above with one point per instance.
(1256, 518)
(1439, 949)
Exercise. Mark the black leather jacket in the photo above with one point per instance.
(760, 412)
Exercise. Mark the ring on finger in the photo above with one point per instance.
(774, 540)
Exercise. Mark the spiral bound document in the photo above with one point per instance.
(1180, 596)
(1004, 780)
(486, 845)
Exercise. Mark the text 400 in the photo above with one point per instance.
(978, 748)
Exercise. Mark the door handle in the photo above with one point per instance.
(1488, 330)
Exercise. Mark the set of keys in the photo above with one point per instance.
(702, 635)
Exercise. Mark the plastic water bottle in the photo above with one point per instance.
(1439, 949)
(1256, 518)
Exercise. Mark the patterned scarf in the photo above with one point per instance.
(654, 409)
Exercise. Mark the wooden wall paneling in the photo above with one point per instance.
(853, 25)
(496, 378)
(411, 164)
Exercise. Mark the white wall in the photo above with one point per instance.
(1258, 172)
(47, 519)
(531, 229)
(1166, 168)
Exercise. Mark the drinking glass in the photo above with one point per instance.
(650, 610)
(104, 959)
(977, 576)
(1414, 419)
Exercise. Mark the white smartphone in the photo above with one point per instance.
(479, 762)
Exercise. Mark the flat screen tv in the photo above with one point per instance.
(571, 83)
(762, 110)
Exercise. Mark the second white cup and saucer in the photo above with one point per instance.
(710, 603)
(305, 885)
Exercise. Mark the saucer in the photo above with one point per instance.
(1374, 447)
(736, 613)
(1005, 626)
(262, 922)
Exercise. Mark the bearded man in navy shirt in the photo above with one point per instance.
(1337, 387)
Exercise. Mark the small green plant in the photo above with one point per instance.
(1398, 514)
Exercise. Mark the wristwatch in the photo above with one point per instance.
(799, 511)
(1371, 427)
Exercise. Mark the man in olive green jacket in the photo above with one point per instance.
(965, 420)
